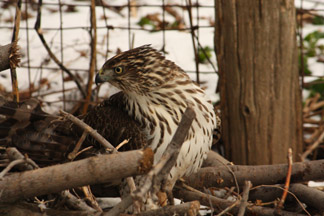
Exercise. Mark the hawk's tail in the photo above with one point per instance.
(44, 137)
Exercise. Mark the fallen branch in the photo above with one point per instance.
(215, 160)
(94, 170)
(9, 56)
(311, 148)
(310, 196)
(23, 209)
(74, 202)
(89, 130)
(189, 208)
(280, 187)
(70, 200)
(245, 197)
(258, 175)
(14, 163)
(77, 147)
(220, 204)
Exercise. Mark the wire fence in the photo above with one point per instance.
(57, 38)
(76, 33)
(63, 42)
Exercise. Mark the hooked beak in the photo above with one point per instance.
(99, 78)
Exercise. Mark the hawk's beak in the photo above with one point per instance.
(98, 78)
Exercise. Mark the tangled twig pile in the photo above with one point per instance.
(21, 187)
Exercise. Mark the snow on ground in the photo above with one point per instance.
(76, 42)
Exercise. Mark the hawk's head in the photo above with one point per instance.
(139, 70)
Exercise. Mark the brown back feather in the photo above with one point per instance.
(47, 139)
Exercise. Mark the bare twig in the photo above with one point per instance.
(245, 197)
(122, 144)
(287, 183)
(192, 30)
(15, 163)
(88, 129)
(77, 147)
(236, 203)
(14, 82)
(97, 137)
(83, 150)
(93, 35)
(91, 199)
(74, 202)
(14, 154)
(311, 148)
(49, 51)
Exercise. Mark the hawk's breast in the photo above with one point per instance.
(159, 113)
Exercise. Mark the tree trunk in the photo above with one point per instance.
(255, 43)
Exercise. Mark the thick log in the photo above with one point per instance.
(258, 175)
(311, 196)
(94, 170)
(23, 209)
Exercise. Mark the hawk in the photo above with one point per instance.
(155, 93)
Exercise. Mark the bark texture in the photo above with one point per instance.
(93, 170)
(255, 43)
(9, 56)
(259, 175)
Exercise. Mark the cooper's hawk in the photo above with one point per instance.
(156, 92)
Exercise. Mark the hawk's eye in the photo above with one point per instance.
(118, 70)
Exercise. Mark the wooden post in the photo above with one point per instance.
(255, 43)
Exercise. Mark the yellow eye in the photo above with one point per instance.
(118, 70)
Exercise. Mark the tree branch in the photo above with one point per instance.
(49, 51)
(188, 208)
(94, 170)
(9, 56)
(258, 175)
(219, 204)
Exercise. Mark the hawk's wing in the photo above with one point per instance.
(47, 139)
(112, 122)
